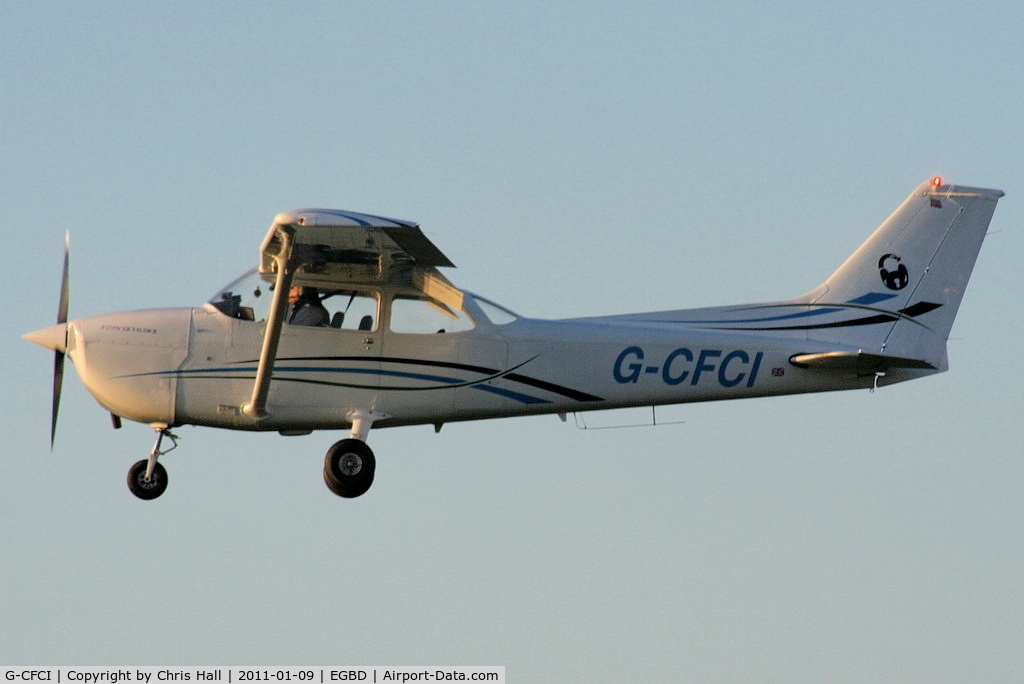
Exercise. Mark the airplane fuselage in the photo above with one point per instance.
(196, 366)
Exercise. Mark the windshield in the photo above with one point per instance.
(247, 297)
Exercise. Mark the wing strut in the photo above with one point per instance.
(279, 244)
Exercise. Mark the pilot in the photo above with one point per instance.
(306, 308)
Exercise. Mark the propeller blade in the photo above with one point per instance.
(58, 356)
(58, 382)
(62, 307)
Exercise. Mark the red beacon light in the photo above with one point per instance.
(937, 181)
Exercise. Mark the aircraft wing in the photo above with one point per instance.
(337, 250)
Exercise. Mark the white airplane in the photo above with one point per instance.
(404, 346)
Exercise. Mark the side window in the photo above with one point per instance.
(352, 311)
(426, 317)
(498, 315)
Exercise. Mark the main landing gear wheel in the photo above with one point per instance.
(348, 468)
(143, 488)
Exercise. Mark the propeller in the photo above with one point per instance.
(55, 338)
(58, 354)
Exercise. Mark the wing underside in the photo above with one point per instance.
(336, 250)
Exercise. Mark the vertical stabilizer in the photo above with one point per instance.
(891, 305)
(907, 280)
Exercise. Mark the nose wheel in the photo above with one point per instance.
(147, 479)
(348, 468)
(147, 487)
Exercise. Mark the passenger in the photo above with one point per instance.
(306, 308)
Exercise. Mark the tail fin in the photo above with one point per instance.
(898, 294)
(891, 305)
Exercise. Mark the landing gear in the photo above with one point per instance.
(147, 487)
(147, 479)
(348, 468)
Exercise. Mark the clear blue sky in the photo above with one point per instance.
(571, 158)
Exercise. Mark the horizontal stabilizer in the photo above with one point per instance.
(860, 361)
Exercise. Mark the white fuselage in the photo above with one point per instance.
(197, 366)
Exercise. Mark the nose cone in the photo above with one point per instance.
(55, 338)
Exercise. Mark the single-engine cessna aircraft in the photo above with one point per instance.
(347, 323)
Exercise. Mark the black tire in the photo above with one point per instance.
(349, 467)
(147, 489)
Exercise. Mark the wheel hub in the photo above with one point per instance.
(350, 464)
(147, 482)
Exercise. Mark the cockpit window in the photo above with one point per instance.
(420, 315)
(249, 297)
(351, 310)
(496, 314)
